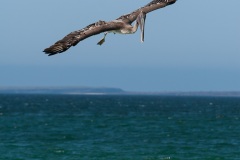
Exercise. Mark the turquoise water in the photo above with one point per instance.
(74, 127)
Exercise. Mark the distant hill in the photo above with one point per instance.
(60, 90)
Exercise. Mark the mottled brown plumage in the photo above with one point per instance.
(118, 26)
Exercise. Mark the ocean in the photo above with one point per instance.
(115, 127)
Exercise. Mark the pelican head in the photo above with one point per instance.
(141, 22)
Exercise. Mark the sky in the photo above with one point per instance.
(189, 46)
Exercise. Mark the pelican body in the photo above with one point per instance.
(122, 25)
(129, 29)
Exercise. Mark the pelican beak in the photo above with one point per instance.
(142, 24)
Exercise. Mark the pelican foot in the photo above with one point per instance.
(101, 41)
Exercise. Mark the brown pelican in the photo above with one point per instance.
(120, 25)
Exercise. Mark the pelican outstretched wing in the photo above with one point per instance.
(75, 37)
(153, 5)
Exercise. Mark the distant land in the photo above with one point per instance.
(60, 90)
(108, 91)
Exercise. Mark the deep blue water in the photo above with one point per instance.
(74, 127)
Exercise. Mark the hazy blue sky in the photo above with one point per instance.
(189, 46)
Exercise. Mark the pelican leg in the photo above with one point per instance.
(103, 39)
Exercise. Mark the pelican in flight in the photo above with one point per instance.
(121, 25)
